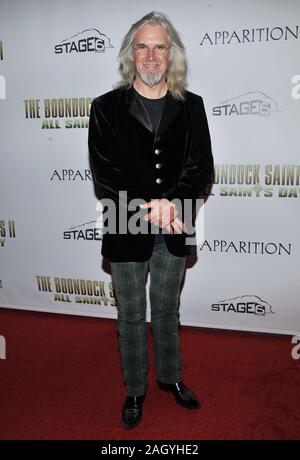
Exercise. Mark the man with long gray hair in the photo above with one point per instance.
(150, 150)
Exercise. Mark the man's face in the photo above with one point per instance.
(150, 66)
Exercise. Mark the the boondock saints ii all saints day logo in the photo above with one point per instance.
(7, 230)
(256, 181)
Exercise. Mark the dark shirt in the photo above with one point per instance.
(154, 107)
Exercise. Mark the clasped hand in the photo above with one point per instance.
(164, 214)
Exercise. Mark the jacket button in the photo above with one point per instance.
(157, 151)
(158, 165)
(159, 180)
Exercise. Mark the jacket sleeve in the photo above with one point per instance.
(198, 167)
(106, 169)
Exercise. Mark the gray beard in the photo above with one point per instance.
(151, 79)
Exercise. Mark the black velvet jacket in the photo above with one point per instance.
(124, 153)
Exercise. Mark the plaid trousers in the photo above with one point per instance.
(129, 281)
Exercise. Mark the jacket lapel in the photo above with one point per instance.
(137, 110)
(170, 112)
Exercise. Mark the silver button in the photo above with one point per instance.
(157, 151)
(158, 180)
(158, 165)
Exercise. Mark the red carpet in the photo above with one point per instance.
(62, 380)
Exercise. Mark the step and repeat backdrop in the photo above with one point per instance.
(55, 57)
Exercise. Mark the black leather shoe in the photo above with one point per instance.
(132, 411)
(183, 395)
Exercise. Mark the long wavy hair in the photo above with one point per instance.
(176, 77)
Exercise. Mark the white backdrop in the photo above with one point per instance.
(244, 61)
